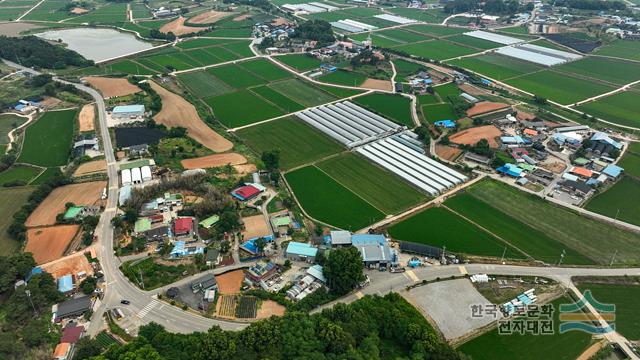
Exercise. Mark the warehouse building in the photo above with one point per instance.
(128, 111)
(297, 251)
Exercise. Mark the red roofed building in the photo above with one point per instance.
(182, 226)
(580, 171)
(530, 132)
(62, 351)
(71, 334)
(246, 192)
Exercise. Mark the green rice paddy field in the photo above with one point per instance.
(297, 142)
(326, 200)
(625, 297)
(300, 62)
(493, 346)
(440, 227)
(436, 49)
(437, 112)
(12, 200)
(496, 66)
(582, 234)
(8, 123)
(621, 201)
(242, 108)
(621, 108)
(48, 141)
(627, 49)
(393, 107)
(631, 162)
(343, 77)
(22, 174)
(618, 72)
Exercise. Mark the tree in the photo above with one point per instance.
(539, 100)
(271, 160)
(87, 348)
(88, 285)
(316, 30)
(260, 243)
(343, 270)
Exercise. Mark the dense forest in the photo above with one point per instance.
(33, 52)
(492, 7)
(316, 30)
(370, 328)
(25, 325)
(592, 4)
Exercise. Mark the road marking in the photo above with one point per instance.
(463, 270)
(412, 275)
(147, 309)
(359, 295)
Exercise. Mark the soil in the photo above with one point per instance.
(270, 308)
(177, 111)
(377, 84)
(592, 350)
(91, 167)
(15, 28)
(112, 87)
(473, 135)
(86, 117)
(485, 107)
(471, 90)
(178, 28)
(243, 170)
(209, 17)
(214, 160)
(50, 102)
(555, 167)
(72, 264)
(79, 11)
(242, 17)
(255, 226)
(49, 243)
(80, 194)
(230, 283)
(447, 152)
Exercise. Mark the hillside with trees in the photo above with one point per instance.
(34, 52)
(370, 328)
(315, 30)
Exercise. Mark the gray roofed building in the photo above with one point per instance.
(376, 254)
(477, 158)
(204, 283)
(157, 233)
(73, 307)
(340, 238)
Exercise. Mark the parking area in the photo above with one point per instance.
(449, 304)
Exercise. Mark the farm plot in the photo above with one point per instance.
(91, 167)
(297, 142)
(300, 62)
(49, 243)
(495, 66)
(235, 76)
(437, 112)
(46, 175)
(577, 232)
(326, 200)
(7, 124)
(621, 108)
(203, 84)
(112, 87)
(265, 69)
(277, 98)
(436, 49)
(242, 108)
(105, 340)
(631, 162)
(624, 294)
(618, 72)
(80, 194)
(50, 10)
(48, 141)
(111, 13)
(473, 135)
(394, 107)
(621, 201)
(429, 16)
(18, 175)
(558, 87)
(178, 112)
(12, 201)
(627, 49)
(230, 282)
(302, 92)
(226, 306)
(343, 77)
(440, 227)
(126, 137)
(436, 30)
(178, 27)
(494, 346)
(473, 42)
(86, 118)
(247, 307)
(531, 241)
(380, 188)
(215, 160)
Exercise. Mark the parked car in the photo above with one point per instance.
(397, 270)
(125, 302)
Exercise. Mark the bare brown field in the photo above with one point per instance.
(80, 194)
(91, 167)
(447, 152)
(79, 11)
(176, 111)
(473, 135)
(15, 28)
(471, 90)
(214, 160)
(230, 283)
(242, 17)
(177, 27)
(485, 107)
(245, 169)
(255, 226)
(86, 117)
(377, 84)
(208, 17)
(49, 243)
(270, 308)
(50, 102)
(72, 264)
(553, 166)
(112, 87)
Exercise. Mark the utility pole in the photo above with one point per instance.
(141, 278)
(616, 218)
(613, 258)
(561, 257)
(503, 253)
(28, 292)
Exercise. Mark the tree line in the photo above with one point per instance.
(31, 51)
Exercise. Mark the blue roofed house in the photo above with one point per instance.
(298, 251)
(181, 249)
(510, 169)
(613, 171)
(368, 239)
(65, 284)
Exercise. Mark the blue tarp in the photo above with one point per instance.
(445, 123)
(65, 284)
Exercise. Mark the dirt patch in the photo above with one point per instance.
(208, 17)
(91, 167)
(243, 170)
(79, 11)
(72, 264)
(270, 308)
(230, 283)
(485, 107)
(524, 116)
(177, 111)
(86, 117)
(112, 87)
(177, 27)
(473, 135)
(50, 102)
(242, 17)
(214, 160)
(471, 90)
(80, 194)
(48, 244)
(15, 28)
(255, 226)
(555, 167)
(449, 153)
(377, 84)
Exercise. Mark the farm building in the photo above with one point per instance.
(510, 169)
(576, 187)
(213, 257)
(538, 54)
(262, 271)
(136, 176)
(158, 233)
(124, 195)
(473, 157)
(125, 176)
(62, 351)
(204, 283)
(613, 171)
(376, 254)
(181, 249)
(128, 111)
(340, 238)
(65, 284)
(72, 333)
(182, 226)
(209, 222)
(248, 191)
(493, 37)
(581, 172)
(72, 308)
(298, 251)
